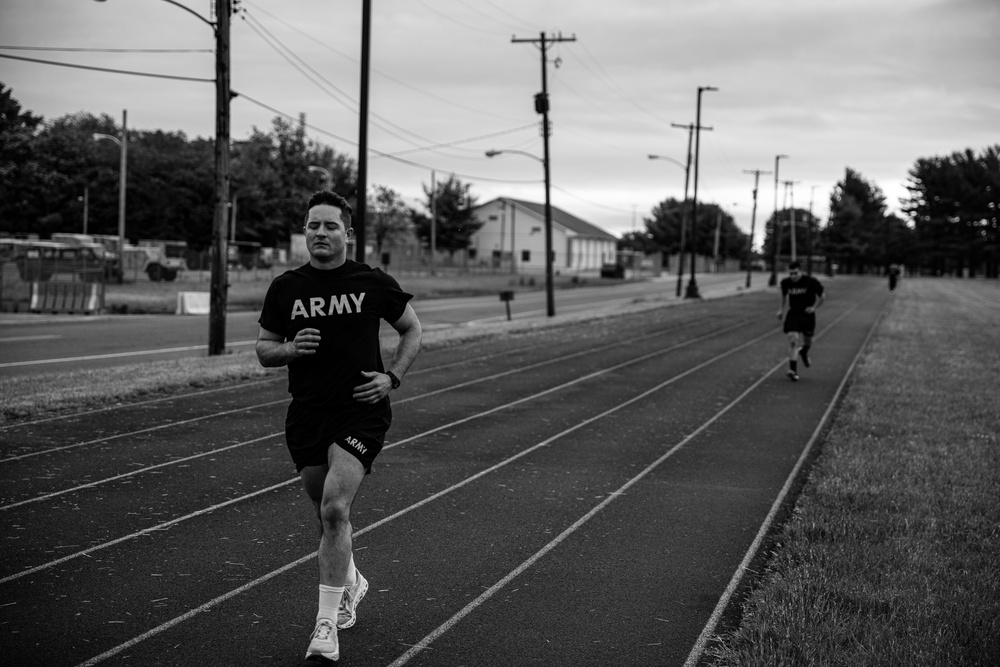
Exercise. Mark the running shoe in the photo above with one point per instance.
(324, 644)
(804, 356)
(792, 375)
(347, 612)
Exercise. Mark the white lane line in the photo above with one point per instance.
(139, 432)
(21, 339)
(119, 355)
(145, 531)
(307, 558)
(54, 494)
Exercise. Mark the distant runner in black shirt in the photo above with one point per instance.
(322, 321)
(803, 296)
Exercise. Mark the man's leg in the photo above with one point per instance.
(793, 349)
(332, 494)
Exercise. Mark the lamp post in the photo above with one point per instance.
(775, 227)
(122, 177)
(86, 206)
(680, 252)
(549, 294)
(692, 289)
(327, 176)
(218, 285)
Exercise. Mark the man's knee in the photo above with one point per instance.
(335, 511)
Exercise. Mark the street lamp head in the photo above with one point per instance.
(701, 88)
(492, 153)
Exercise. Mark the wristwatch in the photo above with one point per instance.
(395, 380)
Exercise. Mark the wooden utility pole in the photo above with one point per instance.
(542, 107)
(362, 192)
(753, 219)
(219, 277)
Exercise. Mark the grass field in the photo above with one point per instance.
(891, 555)
(247, 288)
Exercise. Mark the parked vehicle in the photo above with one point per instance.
(160, 260)
(41, 261)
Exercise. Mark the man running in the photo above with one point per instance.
(322, 321)
(803, 295)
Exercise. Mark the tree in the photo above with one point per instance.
(954, 203)
(664, 227)
(19, 170)
(855, 236)
(388, 217)
(455, 221)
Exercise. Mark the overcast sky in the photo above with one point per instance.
(867, 84)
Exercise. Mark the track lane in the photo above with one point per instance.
(429, 460)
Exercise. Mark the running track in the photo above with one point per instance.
(584, 495)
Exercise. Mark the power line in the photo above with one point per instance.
(106, 69)
(88, 50)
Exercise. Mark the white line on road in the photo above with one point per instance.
(118, 355)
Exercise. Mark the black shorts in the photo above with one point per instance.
(800, 321)
(309, 434)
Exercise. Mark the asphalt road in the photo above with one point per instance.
(40, 343)
(583, 495)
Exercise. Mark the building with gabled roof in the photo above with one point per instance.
(513, 235)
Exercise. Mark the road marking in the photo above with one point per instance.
(118, 355)
(19, 339)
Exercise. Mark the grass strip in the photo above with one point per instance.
(892, 553)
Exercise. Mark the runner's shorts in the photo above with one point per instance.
(310, 432)
(801, 321)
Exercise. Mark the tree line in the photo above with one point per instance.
(47, 166)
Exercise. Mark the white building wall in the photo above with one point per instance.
(522, 232)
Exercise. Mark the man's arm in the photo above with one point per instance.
(379, 384)
(781, 309)
(273, 350)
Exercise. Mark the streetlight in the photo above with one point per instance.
(327, 176)
(692, 290)
(217, 299)
(122, 175)
(86, 205)
(549, 294)
(680, 252)
(775, 227)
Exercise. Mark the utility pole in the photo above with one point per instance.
(219, 282)
(684, 213)
(790, 188)
(542, 107)
(692, 288)
(809, 238)
(753, 219)
(362, 192)
(433, 224)
(775, 227)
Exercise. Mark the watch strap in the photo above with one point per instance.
(395, 380)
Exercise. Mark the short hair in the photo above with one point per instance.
(330, 198)
(794, 265)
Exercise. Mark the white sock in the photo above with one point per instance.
(329, 601)
(352, 573)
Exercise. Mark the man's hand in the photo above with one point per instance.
(780, 311)
(305, 342)
(378, 387)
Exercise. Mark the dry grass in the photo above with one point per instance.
(892, 555)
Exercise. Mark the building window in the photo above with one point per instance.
(472, 253)
(493, 217)
(525, 255)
